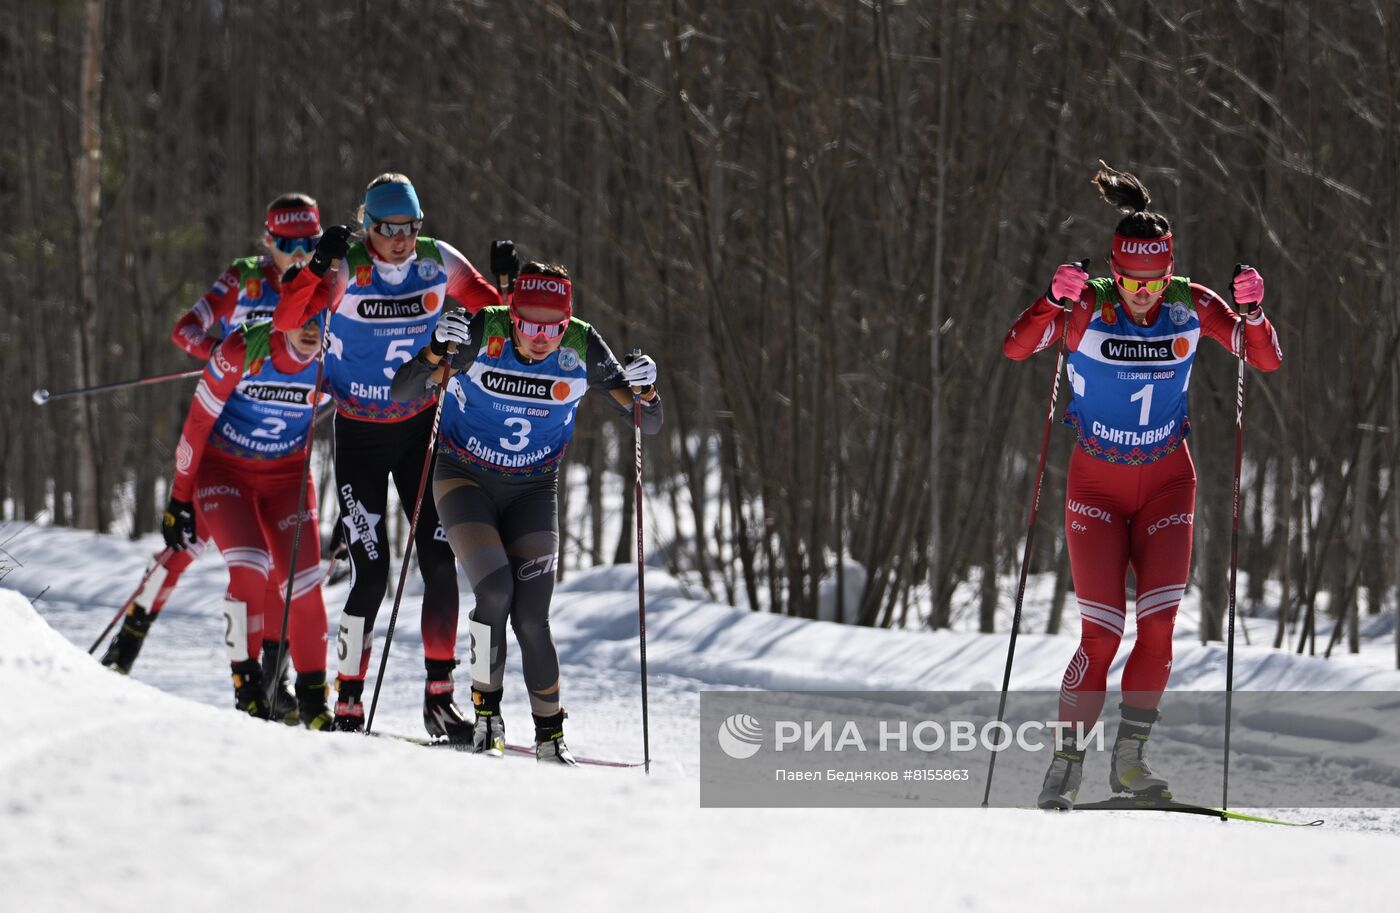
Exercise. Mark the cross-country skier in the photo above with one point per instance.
(508, 418)
(385, 291)
(238, 478)
(248, 290)
(1131, 491)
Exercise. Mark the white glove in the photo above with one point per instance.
(641, 372)
(452, 327)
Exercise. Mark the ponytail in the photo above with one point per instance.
(1129, 196)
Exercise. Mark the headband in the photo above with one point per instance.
(392, 198)
(549, 292)
(299, 222)
(1143, 254)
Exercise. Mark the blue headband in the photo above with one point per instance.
(391, 199)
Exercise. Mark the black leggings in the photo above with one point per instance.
(505, 532)
(366, 454)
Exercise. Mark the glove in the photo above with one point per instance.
(1068, 284)
(178, 525)
(640, 372)
(505, 260)
(453, 326)
(1247, 289)
(333, 245)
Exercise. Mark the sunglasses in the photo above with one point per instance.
(295, 245)
(398, 229)
(531, 330)
(1131, 285)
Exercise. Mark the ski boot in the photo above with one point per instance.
(284, 702)
(312, 711)
(349, 711)
(1129, 771)
(549, 740)
(489, 733)
(441, 716)
(1061, 786)
(121, 653)
(249, 696)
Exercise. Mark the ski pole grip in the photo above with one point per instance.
(1239, 268)
(627, 360)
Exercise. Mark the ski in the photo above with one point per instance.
(524, 750)
(1129, 803)
(594, 762)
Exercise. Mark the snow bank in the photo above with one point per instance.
(119, 797)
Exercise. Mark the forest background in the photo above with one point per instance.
(820, 218)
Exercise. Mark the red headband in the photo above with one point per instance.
(1143, 254)
(301, 222)
(549, 292)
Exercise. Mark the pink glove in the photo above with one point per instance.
(1248, 288)
(1068, 284)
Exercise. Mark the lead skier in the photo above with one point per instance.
(519, 374)
(1131, 491)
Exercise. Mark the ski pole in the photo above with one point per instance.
(290, 582)
(159, 563)
(1234, 550)
(42, 395)
(413, 522)
(1030, 533)
(641, 565)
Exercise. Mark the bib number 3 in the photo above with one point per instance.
(520, 437)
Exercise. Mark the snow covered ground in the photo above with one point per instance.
(149, 793)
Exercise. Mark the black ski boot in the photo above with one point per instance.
(284, 702)
(489, 733)
(249, 696)
(549, 740)
(312, 711)
(349, 712)
(441, 716)
(1130, 772)
(126, 646)
(1061, 786)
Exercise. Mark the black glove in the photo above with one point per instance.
(178, 525)
(505, 260)
(334, 245)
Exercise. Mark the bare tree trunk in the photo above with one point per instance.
(88, 209)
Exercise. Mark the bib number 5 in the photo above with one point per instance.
(520, 437)
(399, 350)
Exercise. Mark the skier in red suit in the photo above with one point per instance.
(1131, 340)
(247, 290)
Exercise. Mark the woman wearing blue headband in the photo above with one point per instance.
(385, 289)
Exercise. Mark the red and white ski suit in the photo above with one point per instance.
(1131, 509)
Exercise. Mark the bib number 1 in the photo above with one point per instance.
(1145, 394)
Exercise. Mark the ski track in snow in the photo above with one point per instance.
(149, 794)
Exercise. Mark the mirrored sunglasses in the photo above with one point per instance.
(1153, 286)
(305, 244)
(398, 229)
(531, 330)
